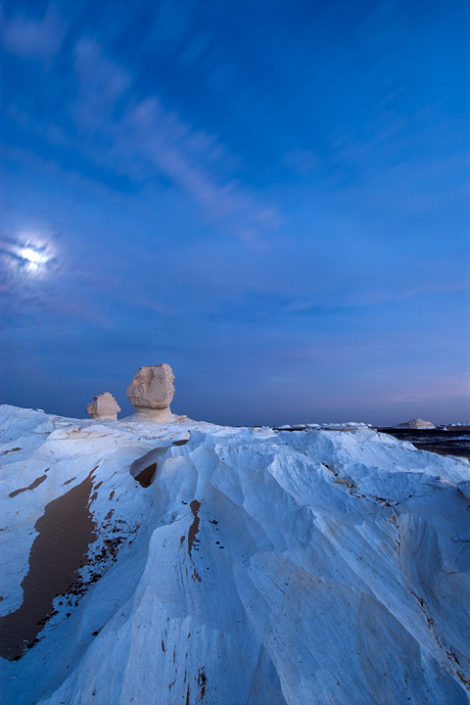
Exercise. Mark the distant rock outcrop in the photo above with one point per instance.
(416, 423)
(103, 406)
(151, 392)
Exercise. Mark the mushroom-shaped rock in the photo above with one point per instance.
(151, 392)
(104, 406)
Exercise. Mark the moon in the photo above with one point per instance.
(35, 259)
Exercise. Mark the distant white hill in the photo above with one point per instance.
(159, 564)
(416, 423)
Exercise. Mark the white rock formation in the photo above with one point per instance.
(151, 392)
(417, 423)
(103, 406)
(229, 566)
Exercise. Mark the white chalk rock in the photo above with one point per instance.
(151, 392)
(154, 564)
(103, 406)
(417, 423)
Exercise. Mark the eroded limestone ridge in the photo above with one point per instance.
(151, 392)
(103, 406)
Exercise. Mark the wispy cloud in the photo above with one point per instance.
(146, 140)
(32, 38)
(100, 84)
(190, 158)
(375, 297)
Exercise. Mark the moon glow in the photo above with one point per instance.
(34, 258)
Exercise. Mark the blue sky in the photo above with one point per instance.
(272, 197)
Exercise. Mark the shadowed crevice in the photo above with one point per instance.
(145, 476)
(143, 469)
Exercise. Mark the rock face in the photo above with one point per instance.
(151, 392)
(417, 423)
(211, 565)
(103, 406)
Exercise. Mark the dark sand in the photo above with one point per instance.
(65, 531)
(32, 486)
(194, 528)
(444, 441)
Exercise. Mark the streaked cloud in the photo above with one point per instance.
(33, 38)
(154, 140)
